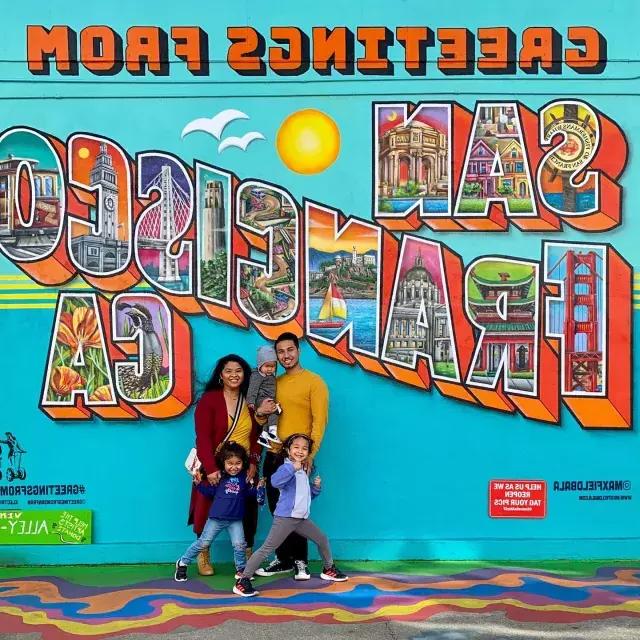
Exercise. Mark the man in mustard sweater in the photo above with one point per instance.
(304, 399)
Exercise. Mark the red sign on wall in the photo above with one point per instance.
(517, 498)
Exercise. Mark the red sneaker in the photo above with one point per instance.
(333, 573)
(244, 588)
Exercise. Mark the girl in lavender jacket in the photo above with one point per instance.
(292, 514)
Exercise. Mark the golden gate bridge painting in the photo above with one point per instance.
(579, 317)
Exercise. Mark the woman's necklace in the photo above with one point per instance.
(231, 400)
(231, 396)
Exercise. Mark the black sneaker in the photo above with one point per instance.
(302, 572)
(180, 574)
(264, 441)
(273, 568)
(239, 573)
(244, 588)
(333, 573)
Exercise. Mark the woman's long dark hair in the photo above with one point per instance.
(215, 382)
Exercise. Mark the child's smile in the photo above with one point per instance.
(233, 465)
(299, 450)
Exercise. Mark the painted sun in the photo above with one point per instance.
(308, 141)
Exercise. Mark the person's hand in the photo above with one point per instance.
(317, 482)
(251, 472)
(297, 465)
(266, 407)
(197, 477)
(214, 478)
(262, 482)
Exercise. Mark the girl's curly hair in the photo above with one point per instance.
(231, 449)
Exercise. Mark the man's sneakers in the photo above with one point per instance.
(302, 572)
(244, 588)
(273, 568)
(180, 574)
(333, 573)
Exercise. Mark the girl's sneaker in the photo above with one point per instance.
(180, 574)
(244, 588)
(239, 573)
(333, 573)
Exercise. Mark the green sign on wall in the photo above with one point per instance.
(49, 526)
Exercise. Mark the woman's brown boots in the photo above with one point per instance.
(204, 564)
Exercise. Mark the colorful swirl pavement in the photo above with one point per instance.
(59, 608)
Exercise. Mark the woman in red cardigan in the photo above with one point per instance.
(222, 413)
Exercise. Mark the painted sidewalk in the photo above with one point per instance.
(105, 601)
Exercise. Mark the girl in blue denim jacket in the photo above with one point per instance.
(292, 514)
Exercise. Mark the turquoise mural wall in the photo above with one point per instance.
(440, 200)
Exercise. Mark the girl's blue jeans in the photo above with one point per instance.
(210, 532)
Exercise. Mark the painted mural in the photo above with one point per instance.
(362, 281)
(444, 215)
(501, 302)
(495, 167)
(79, 359)
(343, 293)
(420, 322)
(413, 158)
(214, 201)
(269, 293)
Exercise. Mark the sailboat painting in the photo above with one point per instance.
(343, 277)
(333, 312)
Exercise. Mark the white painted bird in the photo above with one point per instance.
(241, 143)
(214, 125)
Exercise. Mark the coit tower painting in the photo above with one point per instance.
(214, 220)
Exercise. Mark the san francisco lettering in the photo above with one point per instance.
(508, 333)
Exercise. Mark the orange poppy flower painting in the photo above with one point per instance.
(79, 360)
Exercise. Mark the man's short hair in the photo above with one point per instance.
(287, 335)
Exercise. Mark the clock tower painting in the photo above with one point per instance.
(103, 175)
(103, 252)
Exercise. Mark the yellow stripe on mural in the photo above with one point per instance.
(28, 296)
(33, 305)
(17, 276)
(170, 611)
(33, 285)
